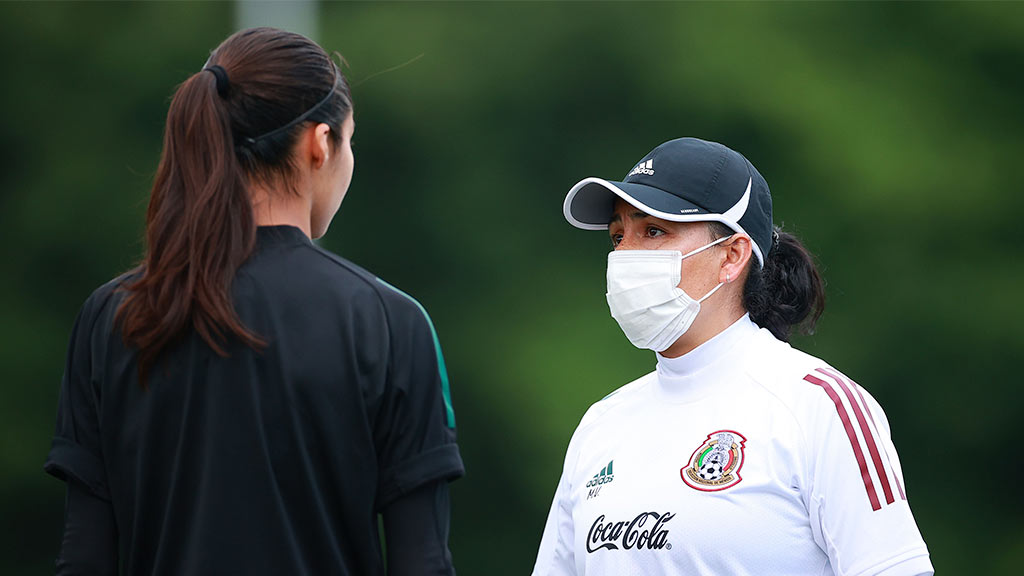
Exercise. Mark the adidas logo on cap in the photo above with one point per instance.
(643, 168)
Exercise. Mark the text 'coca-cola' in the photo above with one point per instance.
(647, 530)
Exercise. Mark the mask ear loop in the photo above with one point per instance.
(701, 249)
(713, 290)
(706, 246)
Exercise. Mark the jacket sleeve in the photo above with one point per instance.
(76, 453)
(89, 544)
(414, 431)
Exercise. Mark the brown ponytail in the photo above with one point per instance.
(200, 226)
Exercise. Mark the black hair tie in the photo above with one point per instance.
(223, 86)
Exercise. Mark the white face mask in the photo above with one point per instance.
(645, 298)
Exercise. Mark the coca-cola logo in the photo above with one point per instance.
(647, 530)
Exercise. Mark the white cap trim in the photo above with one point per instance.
(730, 218)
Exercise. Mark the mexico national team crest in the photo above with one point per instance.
(716, 464)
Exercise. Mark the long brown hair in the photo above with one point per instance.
(223, 131)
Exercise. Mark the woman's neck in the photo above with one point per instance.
(276, 209)
(713, 350)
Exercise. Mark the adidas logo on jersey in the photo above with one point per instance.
(643, 168)
(603, 477)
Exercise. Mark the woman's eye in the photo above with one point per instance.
(653, 232)
(616, 238)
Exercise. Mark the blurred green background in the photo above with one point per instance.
(889, 134)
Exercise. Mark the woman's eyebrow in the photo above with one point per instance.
(638, 215)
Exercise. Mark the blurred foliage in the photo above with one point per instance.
(888, 133)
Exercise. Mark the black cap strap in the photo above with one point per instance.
(223, 86)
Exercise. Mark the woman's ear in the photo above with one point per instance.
(738, 251)
(320, 145)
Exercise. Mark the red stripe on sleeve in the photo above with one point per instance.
(836, 374)
(869, 436)
(896, 477)
(869, 484)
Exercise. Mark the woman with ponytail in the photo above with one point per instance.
(244, 402)
(739, 454)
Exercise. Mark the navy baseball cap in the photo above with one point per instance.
(683, 180)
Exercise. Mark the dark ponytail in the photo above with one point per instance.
(222, 134)
(788, 292)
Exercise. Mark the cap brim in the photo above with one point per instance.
(589, 205)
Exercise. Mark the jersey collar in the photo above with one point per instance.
(695, 375)
(280, 234)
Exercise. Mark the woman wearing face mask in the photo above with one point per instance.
(244, 402)
(738, 455)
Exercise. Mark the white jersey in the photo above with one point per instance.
(743, 457)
